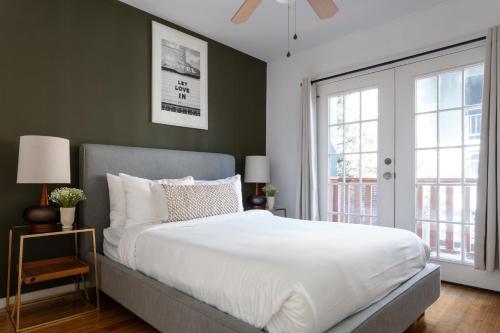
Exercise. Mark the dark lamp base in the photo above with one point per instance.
(42, 228)
(256, 201)
(41, 218)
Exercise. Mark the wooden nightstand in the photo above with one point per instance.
(275, 210)
(49, 269)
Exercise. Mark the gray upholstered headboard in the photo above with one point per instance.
(97, 160)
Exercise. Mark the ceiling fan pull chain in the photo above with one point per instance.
(288, 54)
(295, 20)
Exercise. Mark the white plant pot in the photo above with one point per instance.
(67, 217)
(270, 202)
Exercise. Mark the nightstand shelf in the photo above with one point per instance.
(51, 269)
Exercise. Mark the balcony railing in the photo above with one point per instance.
(354, 200)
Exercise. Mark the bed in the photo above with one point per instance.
(170, 310)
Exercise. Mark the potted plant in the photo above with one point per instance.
(270, 191)
(67, 199)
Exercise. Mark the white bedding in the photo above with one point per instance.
(111, 241)
(280, 274)
(113, 235)
(110, 250)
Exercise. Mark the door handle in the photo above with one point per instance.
(387, 175)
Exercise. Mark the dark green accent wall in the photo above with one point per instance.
(81, 69)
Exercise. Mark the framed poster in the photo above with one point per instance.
(179, 78)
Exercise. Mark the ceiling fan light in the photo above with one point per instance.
(285, 2)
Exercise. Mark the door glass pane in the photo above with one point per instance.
(426, 94)
(426, 165)
(336, 168)
(450, 241)
(354, 219)
(450, 128)
(336, 138)
(472, 126)
(336, 193)
(426, 202)
(450, 203)
(368, 199)
(446, 176)
(450, 90)
(353, 146)
(369, 104)
(473, 85)
(428, 232)
(351, 138)
(370, 220)
(469, 243)
(353, 199)
(426, 129)
(471, 167)
(335, 217)
(368, 167)
(469, 204)
(336, 110)
(450, 165)
(351, 166)
(352, 107)
(369, 136)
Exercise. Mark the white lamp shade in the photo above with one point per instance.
(256, 169)
(43, 160)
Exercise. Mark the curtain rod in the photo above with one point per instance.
(400, 59)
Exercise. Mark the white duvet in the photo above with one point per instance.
(280, 274)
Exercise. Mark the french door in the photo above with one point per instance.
(356, 142)
(400, 148)
(438, 123)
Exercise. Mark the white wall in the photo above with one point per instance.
(447, 23)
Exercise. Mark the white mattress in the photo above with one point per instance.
(280, 274)
(112, 238)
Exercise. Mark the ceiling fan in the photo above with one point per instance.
(325, 9)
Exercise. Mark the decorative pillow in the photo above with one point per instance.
(117, 210)
(235, 181)
(141, 200)
(193, 202)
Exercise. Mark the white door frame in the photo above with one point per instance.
(384, 80)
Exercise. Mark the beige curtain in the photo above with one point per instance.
(488, 206)
(307, 206)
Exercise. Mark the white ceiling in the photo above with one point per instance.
(264, 35)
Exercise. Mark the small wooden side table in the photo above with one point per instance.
(48, 269)
(278, 210)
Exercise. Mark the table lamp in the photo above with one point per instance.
(256, 171)
(43, 160)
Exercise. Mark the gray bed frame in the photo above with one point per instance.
(170, 310)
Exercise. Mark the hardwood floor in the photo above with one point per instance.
(459, 309)
(112, 317)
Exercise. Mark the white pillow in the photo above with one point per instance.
(117, 210)
(235, 181)
(142, 200)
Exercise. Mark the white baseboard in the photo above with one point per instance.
(40, 294)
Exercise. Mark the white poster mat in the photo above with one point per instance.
(179, 78)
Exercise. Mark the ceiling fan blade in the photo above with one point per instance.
(245, 11)
(323, 8)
